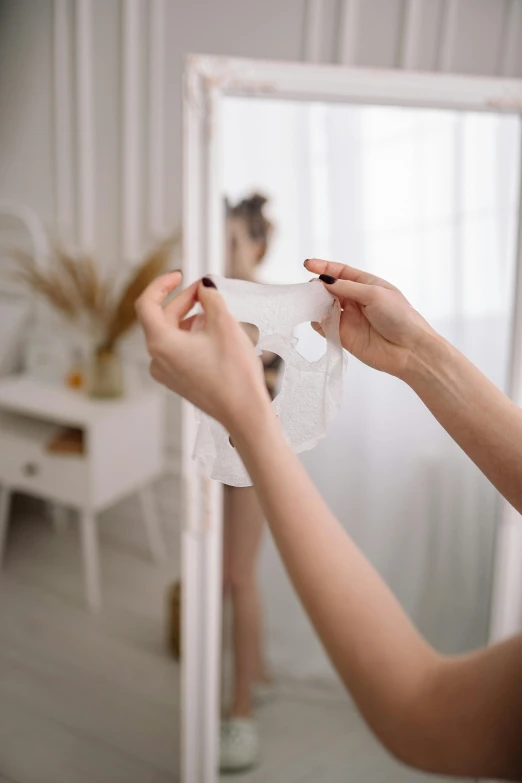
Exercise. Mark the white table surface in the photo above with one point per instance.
(22, 394)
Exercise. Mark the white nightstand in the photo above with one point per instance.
(123, 454)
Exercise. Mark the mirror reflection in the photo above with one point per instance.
(428, 200)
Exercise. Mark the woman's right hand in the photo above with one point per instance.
(378, 324)
(215, 367)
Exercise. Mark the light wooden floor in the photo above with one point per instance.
(84, 699)
(88, 699)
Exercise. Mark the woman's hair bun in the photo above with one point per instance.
(256, 202)
(251, 211)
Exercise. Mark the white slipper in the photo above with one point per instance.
(239, 744)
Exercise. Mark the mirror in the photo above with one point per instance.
(428, 200)
(420, 186)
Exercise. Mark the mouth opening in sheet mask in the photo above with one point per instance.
(309, 344)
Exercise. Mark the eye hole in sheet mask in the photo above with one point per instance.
(310, 344)
(310, 389)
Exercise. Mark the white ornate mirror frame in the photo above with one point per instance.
(207, 81)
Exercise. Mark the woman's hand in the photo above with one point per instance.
(215, 366)
(378, 325)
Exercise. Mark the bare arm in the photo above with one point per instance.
(485, 423)
(380, 327)
(448, 715)
(460, 716)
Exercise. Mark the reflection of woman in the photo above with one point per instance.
(457, 715)
(247, 235)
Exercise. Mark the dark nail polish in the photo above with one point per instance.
(328, 279)
(208, 283)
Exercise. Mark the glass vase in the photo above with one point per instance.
(105, 375)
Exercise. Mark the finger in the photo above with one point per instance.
(186, 324)
(212, 302)
(316, 326)
(347, 290)
(345, 272)
(181, 305)
(149, 305)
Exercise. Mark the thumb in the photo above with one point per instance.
(212, 302)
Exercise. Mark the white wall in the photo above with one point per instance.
(26, 109)
(87, 85)
(40, 104)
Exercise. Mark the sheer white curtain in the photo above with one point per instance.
(426, 199)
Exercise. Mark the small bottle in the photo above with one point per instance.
(75, 378)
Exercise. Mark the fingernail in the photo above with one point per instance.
(176, 270)
(328, 279)
(208, 283)
(306, 261)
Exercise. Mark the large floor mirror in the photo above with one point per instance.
(415, 178)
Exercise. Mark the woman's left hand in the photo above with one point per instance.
(215, 367)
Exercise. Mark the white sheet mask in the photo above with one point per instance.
(310, 393)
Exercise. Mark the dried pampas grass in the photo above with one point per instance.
(48, 285)
(124, 313)
(73, 286)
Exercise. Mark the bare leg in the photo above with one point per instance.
(243, 520)
(152, 524)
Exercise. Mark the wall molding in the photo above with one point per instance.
(156, 120)
(448, 34)
(74, 123)
(410, 34)
(348, 25)
(63, 119)
(131, 132)
(510, 38)
(85, 141)
(313, 31)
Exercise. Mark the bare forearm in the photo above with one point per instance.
(382, 659)
(453, 716)
(477, 415)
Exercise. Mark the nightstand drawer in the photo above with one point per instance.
(26, 465)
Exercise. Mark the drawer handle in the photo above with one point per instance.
(30, 469)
